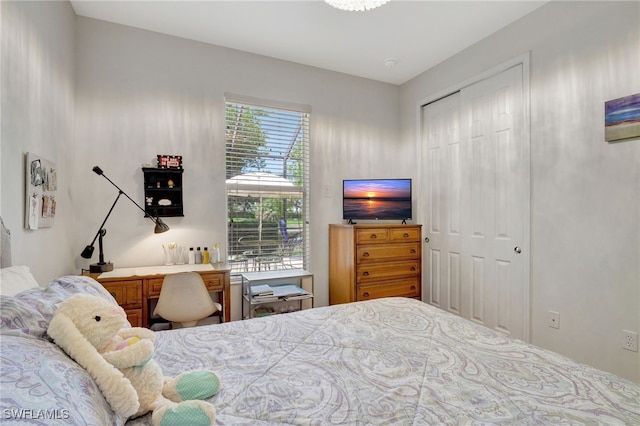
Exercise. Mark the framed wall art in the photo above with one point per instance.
(41, 182)
(622, 118)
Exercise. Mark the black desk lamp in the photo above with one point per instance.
(103, 266)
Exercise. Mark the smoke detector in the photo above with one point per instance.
(390, 62)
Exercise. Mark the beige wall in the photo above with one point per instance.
(585, 204)
(37, 110)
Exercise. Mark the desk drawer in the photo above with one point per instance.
(155, 285)
(135, 317)
(214, 282)
(128, 294)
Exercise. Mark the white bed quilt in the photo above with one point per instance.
(390, 362)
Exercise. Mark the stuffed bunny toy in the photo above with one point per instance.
(90, 330)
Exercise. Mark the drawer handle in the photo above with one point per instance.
(413, 287)
(413, 251)
(365, 254)
(405, 235)
(373, 236)
(365, 294)
(413, 269)
(365, 274)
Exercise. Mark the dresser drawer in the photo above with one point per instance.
(372, 235)
(398, 288)
(408, 234)
(128, 294)
(376, 252)
(369, 272)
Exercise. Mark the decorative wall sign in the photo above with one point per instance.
(41, 185)
(622, 118)
(169, 161)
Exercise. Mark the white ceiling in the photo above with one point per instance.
(418, 34)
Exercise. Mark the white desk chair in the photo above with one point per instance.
(184, 298)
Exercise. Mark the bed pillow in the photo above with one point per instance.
(16, 279)
(40, 382)
(30, 311)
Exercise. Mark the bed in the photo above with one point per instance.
(392, 361)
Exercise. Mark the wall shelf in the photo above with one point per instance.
(163, 192)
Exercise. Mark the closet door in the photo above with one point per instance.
(478, 192)
(442, 150)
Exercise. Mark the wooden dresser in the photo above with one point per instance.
(135, 288)
(370, 261)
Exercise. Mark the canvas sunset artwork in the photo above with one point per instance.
(622, 118)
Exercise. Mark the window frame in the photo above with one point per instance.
(237, 165)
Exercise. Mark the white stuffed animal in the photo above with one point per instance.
(89, 329)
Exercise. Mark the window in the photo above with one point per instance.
(267, 171)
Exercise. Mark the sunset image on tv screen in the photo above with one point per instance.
(377, 199)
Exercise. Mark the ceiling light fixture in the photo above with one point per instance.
(355, 5)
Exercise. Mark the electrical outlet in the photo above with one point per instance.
(630, 340)
(553, 319)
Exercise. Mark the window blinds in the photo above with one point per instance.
(267, 170)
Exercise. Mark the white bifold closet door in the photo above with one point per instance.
(475, 184)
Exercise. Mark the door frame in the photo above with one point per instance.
(524, 60)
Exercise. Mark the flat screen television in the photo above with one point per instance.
(376, 199)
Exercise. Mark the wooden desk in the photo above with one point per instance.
(133, 288)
